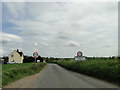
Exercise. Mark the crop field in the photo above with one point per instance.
(7, 67)
(107, 69)
(13, 72)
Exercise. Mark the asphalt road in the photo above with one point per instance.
(54, 76)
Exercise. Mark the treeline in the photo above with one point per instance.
(103, 58)
(5, 58)
(87, 58)
(29, 59)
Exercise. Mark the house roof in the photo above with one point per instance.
(20, 53)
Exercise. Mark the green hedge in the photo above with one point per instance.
(19, 72)
(54, 61)
(104, 69)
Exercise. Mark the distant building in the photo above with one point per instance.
(16, 56)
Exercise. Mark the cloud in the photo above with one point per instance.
(61, 1)
(10, 38)
(63, 37)
(62, 27)
(72, 43)
(15, 11)
(1, 51)
(35, 44)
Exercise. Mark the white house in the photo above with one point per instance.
(16, 56)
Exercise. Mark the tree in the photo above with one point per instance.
(28, 59)
(40, 58)
(5, 59)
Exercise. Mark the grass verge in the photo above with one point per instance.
(13, 74)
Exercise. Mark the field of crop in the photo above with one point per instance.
(13, 72)
(7, 67)
(107, 69)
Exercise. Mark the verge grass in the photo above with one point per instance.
(13, 72)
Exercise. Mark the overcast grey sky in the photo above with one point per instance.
(60, 29)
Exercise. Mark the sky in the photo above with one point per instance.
(60, 29)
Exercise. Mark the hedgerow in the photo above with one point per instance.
(103, 69)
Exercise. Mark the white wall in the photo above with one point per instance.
(82, 58)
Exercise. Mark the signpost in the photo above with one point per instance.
(35, 55)
(79, 56)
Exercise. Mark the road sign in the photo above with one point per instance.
(35, 54)
(77, 58)
(79, 53)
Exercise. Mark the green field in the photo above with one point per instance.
(0, 75)
(6, 67)
(13, 72)
(107, 69)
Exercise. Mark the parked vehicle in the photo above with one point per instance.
(38, 60)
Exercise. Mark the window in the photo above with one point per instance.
(12, 55)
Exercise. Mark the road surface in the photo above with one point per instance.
(54, 76)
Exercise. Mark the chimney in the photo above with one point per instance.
(17, 50)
